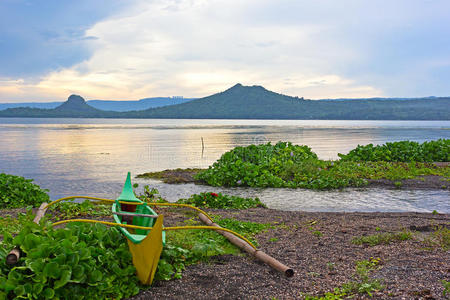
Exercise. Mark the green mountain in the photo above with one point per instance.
(74, 107)
(255, 102)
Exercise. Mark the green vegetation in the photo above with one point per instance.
(14, 225)
(150, 195)
(255, 165)
(291, 166)
(446, 285)
(382, 238)
(172, 176)
(191, 246)
(362, 284)
(404, 151)
(81, 261)
(16, 191)
(213, 200)
(439, 238)
(67, 210)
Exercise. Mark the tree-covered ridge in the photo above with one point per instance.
(255, 102)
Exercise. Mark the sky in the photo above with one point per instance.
(133, 49)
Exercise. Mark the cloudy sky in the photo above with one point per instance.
(132, 49)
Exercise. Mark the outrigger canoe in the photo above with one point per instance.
(145, 245)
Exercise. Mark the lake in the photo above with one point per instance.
(92, 156)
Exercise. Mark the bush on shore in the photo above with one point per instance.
(16, 191)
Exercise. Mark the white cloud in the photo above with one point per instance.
(196, 48)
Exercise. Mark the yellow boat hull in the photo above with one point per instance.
(146, 254)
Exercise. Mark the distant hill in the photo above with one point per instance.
(255, 102)
(74, 107)
(142, 104)
(109, 105)
(44, 105)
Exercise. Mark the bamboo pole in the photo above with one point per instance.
(13, 256)
(135, 215)
(272, 262)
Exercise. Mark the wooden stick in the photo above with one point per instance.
(135, 215)
(272, 262)
(13, 256)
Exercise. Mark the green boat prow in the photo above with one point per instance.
(136, 206)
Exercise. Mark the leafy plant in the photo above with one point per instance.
(317, 233)
(14, 225)
(286, 165)
(403, 151)
(382, 238)
(439, 237)
(214, 200)
(80, 261)
(16, 191)
(255, 165)
(362, 284)
(150, 195)
(446, 285)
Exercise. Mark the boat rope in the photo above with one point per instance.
(164, 229)
(131, 203)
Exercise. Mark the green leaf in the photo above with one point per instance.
(19, 290)
(96, 276)
(52, 270)
(49, 293)
(37, 288)
(65, 277)
(35, 265)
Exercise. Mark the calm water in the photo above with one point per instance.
(92, 156)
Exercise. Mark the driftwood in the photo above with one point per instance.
(243, 245)
(13, 256)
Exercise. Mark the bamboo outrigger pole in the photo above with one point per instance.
(272, 262)
(13, 256)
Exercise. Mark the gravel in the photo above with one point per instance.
(409, 269)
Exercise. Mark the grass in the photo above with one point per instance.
(362, 283)
(68, 210)
(439, 238)
(382, 238)
(14, 225)
(172, 176)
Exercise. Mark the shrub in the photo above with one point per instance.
(16, 191)
(257, 166)
(404, 151)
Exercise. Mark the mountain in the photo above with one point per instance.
(74, 107)
(46, 105)
(110, 105)
(142, 104)
(75, 104)
(255, 102)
